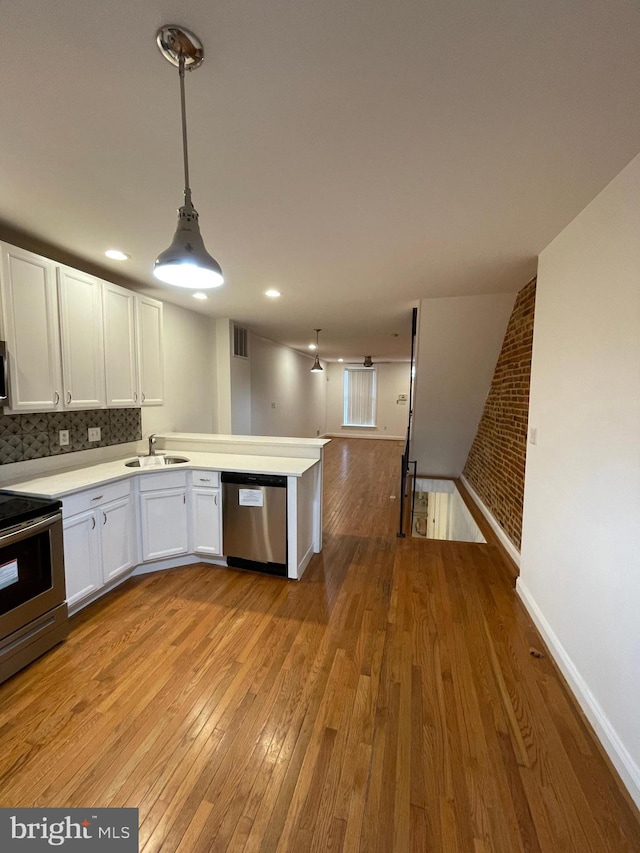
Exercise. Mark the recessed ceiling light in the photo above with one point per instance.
(272, 294)
(117, 255)
(312, 346)
(200, 295)
(341, 359)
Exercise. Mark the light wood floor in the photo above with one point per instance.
(387, 702)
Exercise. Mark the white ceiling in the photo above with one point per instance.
(356, 155)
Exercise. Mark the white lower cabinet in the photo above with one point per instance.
(99, 542)
(206, 521)
(179, 513)
(81, 556)
(205, 513)
(116, 538)
(163, 516)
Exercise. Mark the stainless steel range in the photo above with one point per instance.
(33, 610)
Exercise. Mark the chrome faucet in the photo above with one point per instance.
(152, 441)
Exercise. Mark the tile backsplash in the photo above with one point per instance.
(32, 436)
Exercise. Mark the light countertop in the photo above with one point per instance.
(255, 440)
(67, 481)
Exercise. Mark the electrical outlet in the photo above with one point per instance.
(63, 437)
(533, 435)
(94, 433)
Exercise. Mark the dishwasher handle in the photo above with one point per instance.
(241, 479)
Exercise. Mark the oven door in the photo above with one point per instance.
(31, 571)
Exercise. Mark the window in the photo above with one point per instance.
(359, 397)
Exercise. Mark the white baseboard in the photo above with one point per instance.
(363, 435)
(79, 605)
(607, 735)
(506, 543)
(178, 562)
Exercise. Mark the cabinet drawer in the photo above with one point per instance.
(205, 479)
(98, 495)
(163, 480)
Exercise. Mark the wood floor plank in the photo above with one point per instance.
(387, 702)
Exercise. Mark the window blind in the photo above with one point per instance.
(359, 396)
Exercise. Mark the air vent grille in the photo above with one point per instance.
(240, 342)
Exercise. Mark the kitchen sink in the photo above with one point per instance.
(168, 460)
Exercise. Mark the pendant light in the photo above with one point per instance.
(317, 367)
(367, 361)
(186, 263)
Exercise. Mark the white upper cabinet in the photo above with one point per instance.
(80, 298)
(121, 369)
(74, 341)
(30, 327)
(150, 351)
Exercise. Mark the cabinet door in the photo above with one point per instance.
(120, 346)
(150, 351)
(81, 556)
(82, 339)
(30, 327)
(116, 537)
(163, 518)
(205, 521)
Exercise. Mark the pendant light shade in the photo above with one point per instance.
(367, 361)
(317, 367)
(186, 263)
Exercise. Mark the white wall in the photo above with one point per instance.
(391, 417)
(283, 377)
(580, 563)
(462, 525)
(459, 341)
(241, 394)
(188, 375)
(232, 381)
(222, 416)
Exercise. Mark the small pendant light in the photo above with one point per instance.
(186, 263)
(316, 364)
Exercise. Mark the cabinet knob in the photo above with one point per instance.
(135, 396)
(68, 396)
(104, 517)
(143, 397)
(97, 498)
(205, 479)
(93, 524)
(56, 398)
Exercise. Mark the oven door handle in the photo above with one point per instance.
(22, 531)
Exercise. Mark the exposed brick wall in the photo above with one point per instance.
(495, 464)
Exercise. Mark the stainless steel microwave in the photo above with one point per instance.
(4, 375)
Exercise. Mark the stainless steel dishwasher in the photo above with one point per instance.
(254, 522)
